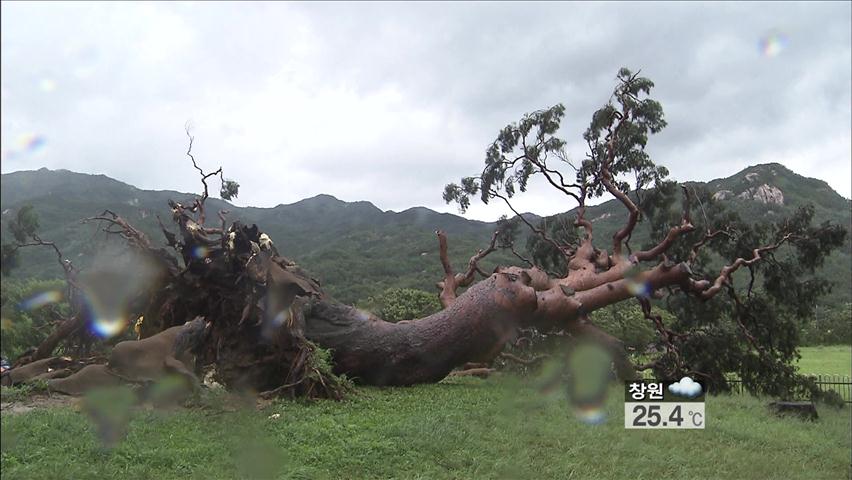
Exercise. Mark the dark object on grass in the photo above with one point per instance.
(32, 370)
(88, 378)
(803, 410)
(191, 337)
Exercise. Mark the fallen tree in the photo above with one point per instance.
(267, 319)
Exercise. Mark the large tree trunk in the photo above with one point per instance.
(474, 328)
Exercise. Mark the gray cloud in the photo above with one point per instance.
(388, 102)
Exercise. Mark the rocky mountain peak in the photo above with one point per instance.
(765, 193)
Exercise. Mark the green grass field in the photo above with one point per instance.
(496, 428)
(830, 360)
(469, 428)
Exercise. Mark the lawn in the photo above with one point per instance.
(830, 360)
(470, 428)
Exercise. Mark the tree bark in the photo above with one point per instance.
(67, 328)
(474, 328)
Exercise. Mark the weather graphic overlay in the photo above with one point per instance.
(664, 404)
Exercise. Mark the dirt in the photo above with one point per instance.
(33, 402)
(227, 403)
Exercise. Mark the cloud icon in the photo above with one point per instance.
(686, 387)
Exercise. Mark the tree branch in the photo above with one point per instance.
(465, 279)
(706, 290)
(666, 335)
(199, 202)
(68, 326)
(522, 361)
(581, 217)
(535, 230)
(452, 281)
(473, 372)
(136, 239)
(684, 227)
(606, 180)
(519, 256)
(707, 237)
(133, 236)
(745, 331)
(67, 266)
(448, 284)
(632, 217)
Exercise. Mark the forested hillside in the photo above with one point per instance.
(358, 250)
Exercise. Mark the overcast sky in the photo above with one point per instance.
(388, 102)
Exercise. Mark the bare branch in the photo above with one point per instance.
(222, 214)
(607, 180)
(199, 202)
(136, 239)
(581, 217)
(519, 256)
(171, 239)
(707, 237)
(535, 230)
(684, 227)
(632, 217)
(745, 331)
(448, 284)
(452, 281)
(666, 335)
(66, 265)
(542, 166)
(465, 279)
(707, 290)
(133, 236)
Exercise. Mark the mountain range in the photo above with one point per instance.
(356, 249)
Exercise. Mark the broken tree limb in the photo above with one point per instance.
(453, 281)
(473, 372)
(65, 329)
(522, 361)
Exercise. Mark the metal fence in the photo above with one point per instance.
(842, 384)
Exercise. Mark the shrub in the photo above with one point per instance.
(24, 325)
(396, 304)
(831, 326)
(627, 322)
